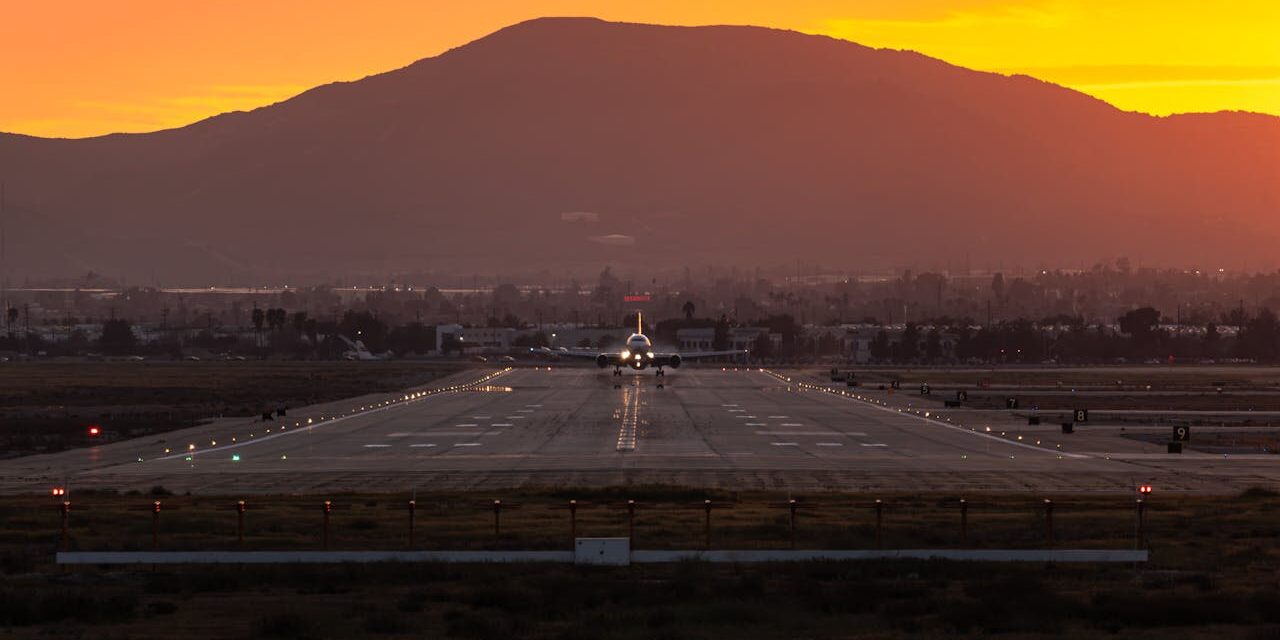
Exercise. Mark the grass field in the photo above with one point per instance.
(1213, 570)
(46, 406)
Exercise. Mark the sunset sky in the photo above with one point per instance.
(75, 68)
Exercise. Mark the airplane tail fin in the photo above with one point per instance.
(639, 322)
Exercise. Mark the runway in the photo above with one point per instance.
(744, 429)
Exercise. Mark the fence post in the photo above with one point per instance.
(413, 506)
(879, 524)
(1139, 536)
(1048, 522)
(155, 525)
(240, 506)
(706, 542)
(791, 505)
(497, 519)
(325, 541)
(573, 521)
(64, 541)
(964, 521)
(631, 522)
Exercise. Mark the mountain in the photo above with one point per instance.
(561, 143)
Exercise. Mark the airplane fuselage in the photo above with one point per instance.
(638, 353)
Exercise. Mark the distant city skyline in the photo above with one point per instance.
(145, 65)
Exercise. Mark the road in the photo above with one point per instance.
(746, 429)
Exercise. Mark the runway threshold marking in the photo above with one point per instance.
(830, 434)
(934, 421)
(365, 411)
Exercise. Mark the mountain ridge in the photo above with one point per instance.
(728, 130)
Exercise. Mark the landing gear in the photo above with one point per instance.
(617, 371)
(662, 373)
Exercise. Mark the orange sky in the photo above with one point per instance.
(78, 68)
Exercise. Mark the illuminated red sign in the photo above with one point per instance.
(637, 298)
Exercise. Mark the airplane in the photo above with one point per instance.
(359, 352)
(639, 354)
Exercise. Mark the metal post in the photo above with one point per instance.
(240, 522)
(1139, 538)
(155, 525)
(325, 540)
(573, 521)
(66, 514)
(413, 505)
(964, 521)
(631, 522)
(791, 504)
(706, 542)
(1048, 522)
(879, 524)
(497, 519)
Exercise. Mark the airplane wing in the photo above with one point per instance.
(602, 358)
(674, 359)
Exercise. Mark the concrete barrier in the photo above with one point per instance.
(311, 557)
(971, 555)
(594, 553)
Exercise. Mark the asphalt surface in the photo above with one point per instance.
(738, 429)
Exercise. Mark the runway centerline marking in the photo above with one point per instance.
(422, 445)
(466, 424)
(874, 444)
(830, 444)
(629, 419)
(466, 444)
(501, 424)
(784, 444)
(376, 446)
(791, 424)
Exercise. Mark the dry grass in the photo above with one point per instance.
(1212, 574)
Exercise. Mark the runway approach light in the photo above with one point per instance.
(59, 491)
(235, 457)
(1144, 489)
(95, 430)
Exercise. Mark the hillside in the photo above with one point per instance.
(706, 144)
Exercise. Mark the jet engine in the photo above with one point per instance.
(674, 361)
(602, 361)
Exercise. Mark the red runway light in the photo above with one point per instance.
(95, 430)
(59, 491)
